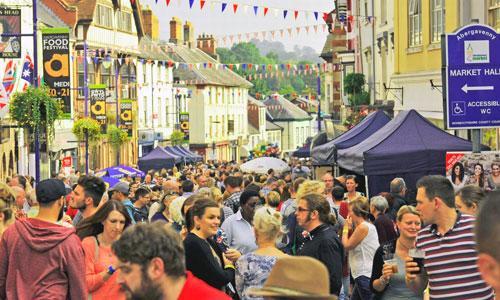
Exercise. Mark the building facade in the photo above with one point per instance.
(218, 104)
(295, 122)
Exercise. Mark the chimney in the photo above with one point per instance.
(207, 44)
(176, 35)
(189, 34)
(151, 24)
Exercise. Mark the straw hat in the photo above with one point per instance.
(298, 277)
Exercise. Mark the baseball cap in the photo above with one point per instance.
(122, 187)
(50, 190)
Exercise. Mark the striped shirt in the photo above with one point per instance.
(450, 261)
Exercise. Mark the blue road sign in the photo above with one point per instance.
(473, 78)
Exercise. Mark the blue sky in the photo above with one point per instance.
(212, 21)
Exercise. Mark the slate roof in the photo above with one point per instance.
(272, 126)
(204, 74)
(252, 100)
(281, 109)
(150, 50)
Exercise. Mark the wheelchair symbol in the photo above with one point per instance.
(458, 109)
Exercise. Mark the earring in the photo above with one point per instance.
(197, 227)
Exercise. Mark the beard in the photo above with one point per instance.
(61, 214)
(147, 291)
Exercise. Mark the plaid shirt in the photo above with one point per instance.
(233, 201)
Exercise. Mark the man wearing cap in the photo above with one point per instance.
(40, 259)
(120, 192)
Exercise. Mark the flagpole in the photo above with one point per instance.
(35, 84)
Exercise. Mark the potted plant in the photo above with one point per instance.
(36, 110)
(88, 126)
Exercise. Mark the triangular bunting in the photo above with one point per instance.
(285, 12)
(235, 7)
(191, 2)
(296, 14)
(255, 9)
(266, 9)
(202, 3)
(224, 5)
(168, 2)
(316, 15)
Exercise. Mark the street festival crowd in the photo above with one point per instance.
(211, 231)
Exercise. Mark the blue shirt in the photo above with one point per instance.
(239, 233)
(130, 209)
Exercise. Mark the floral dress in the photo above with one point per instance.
(252, 270)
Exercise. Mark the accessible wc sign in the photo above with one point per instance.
(473, 78)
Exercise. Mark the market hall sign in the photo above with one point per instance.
(472, 67)
(56, 66)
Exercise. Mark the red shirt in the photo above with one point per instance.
(195, 288)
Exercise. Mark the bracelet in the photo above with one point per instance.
(229, 266)
(345, 230)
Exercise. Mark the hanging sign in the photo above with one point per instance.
(56, 65)
(97, 96)
(126, 120)
(10, 22)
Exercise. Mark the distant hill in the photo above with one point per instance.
(298, 54)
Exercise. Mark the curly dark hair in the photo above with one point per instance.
(140, 243)
(93, 187)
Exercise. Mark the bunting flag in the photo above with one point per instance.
(168, 2)
(224, 5)
(266, 9)
(202, 3)
(255, 9)
(191, 2)
(26, 74)
(9, 77)
(296, 14)
(285, 12)
(235, 7)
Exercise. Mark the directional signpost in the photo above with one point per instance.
(472, 78)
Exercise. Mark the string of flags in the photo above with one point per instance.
(96, 57)
(272, 34)
(255, 10)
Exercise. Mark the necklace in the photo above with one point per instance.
(405, 247)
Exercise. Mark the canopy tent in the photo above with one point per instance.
(179, 157)
(304, 151)
(156, 160)
(326, 154)
(110, 181)
(193, 156)
(409, 146)
(120, 172)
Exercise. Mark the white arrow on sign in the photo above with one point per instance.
(467, 88)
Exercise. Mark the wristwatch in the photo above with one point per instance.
(383, 280)
(111, 270)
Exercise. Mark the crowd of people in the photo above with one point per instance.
(211, 231)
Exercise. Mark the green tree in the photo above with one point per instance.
(177, 138)
(354, 86)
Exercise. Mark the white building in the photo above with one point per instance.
(218, 104)
(295, 122)
(155, 95)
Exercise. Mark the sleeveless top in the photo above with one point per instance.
(397, 289)
(361, 257)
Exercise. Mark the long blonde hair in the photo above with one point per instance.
(309, 187)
